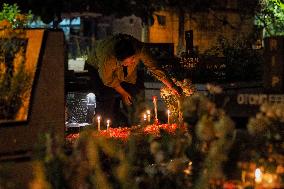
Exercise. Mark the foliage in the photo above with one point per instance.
(242, 63)
(203, 156)
(169, 160)
(172, 101)
(14, 81)
(12, 14)
(271, 17)
(227, 61)
(267, 128)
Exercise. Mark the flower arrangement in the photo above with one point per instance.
(123, 133)
(207, 152)
(172, 101)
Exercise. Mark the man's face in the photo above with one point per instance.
(129, 61)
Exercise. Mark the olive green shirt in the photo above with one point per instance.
(110, 69)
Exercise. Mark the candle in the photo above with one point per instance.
(148, 115)
(99, 123)
(258, 175)
(108, 123)
(144, 117)
(168, 116)
(155, 108)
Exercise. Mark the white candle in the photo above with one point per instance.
(99, 123)
(168, 116)
(155, 107)
(108, 123)
(148, 115)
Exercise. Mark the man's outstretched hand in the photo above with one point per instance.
(127, 99)
(176, 90)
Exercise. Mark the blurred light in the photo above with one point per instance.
(91, 99)
(258, 175)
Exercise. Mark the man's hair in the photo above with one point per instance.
(124, 47)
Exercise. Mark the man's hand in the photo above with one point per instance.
(127, 99)
(176, 90)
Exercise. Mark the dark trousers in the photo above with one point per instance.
(110, 105)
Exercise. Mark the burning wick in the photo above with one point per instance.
(99, 123)
(258, 175)
(108, 123)
(148, 115)
(168, 116)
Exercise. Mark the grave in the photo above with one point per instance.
(42, 109)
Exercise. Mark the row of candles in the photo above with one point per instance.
(146, 116)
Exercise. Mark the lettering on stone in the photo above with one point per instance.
(189, 62)
(258, 99)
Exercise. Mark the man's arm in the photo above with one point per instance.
(158, 72)
(126, 97)
(174, 88)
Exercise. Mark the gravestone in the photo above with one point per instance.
(43, 110)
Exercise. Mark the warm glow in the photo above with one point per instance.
(258, 175)
(148, 115)
(108, 124)
(145, 117)
(99, 123)
(168, 111)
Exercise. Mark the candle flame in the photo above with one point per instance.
(99, 118)
(148, 112)
(258, 175)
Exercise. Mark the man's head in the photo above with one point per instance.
(124, 49)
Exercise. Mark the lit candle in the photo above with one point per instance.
(148, 115)
(144, 117)
(155, 108)
(168, 116)
(99, 123)
(258, 175)
(108, 123)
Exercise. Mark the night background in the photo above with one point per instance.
(224, 131)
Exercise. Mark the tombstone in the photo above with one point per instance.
(43, 107)
(274, 64)
(189, 41)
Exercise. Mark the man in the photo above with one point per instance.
(116, 59)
